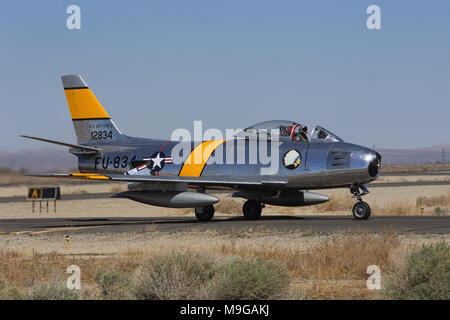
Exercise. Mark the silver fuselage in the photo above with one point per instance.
(323, 165)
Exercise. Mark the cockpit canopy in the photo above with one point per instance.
(322, 134)
(289, 130)
(283, 128)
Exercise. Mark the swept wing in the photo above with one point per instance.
(202, 181)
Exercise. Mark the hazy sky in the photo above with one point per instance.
(160, 65)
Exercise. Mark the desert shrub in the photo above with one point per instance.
(251, 279)
(425, 274)
(9, 292)
(52, 291)
(439, 211)
(173, 276)
(113, 285)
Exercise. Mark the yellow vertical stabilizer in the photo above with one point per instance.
(82, 102)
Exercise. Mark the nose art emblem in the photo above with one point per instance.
(292, 159)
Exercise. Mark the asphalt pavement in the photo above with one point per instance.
(318, 223)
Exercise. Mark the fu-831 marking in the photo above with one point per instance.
(111, 161)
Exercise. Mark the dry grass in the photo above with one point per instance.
(400, 208)
(341, 256)
(342, 203)
(405, 207)
(229, 206)
(117, 189)
(335, 268)
(416, 167)
(413, 178)
(338, 202)
(442, 200)
(332, 289)
(332, 268)
(22, 269)
(320, 266)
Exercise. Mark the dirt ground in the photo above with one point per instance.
(205, 241)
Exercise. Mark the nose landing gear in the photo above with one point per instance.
(361, 210)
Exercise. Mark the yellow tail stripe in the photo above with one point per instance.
(84, 105)
(194, 164)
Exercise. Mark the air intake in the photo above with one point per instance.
(338, 159)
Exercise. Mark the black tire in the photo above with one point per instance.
(361, 210)
(252, 209)
(204, 213)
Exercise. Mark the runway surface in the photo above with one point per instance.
(325, 224)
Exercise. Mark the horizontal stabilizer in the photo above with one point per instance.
(73, 146)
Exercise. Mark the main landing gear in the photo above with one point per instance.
(361, 210)
(252, 209)
(204, 213)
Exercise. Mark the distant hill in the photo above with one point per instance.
(61, 160)
(415, 156)
(39, 160)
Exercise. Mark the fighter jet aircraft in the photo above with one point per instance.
(319, 161)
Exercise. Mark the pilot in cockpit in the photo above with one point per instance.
(302, 134)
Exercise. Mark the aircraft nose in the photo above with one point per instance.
(375, 166)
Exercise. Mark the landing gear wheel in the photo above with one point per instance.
(361, 210)
(204, 213)
(252, 209)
